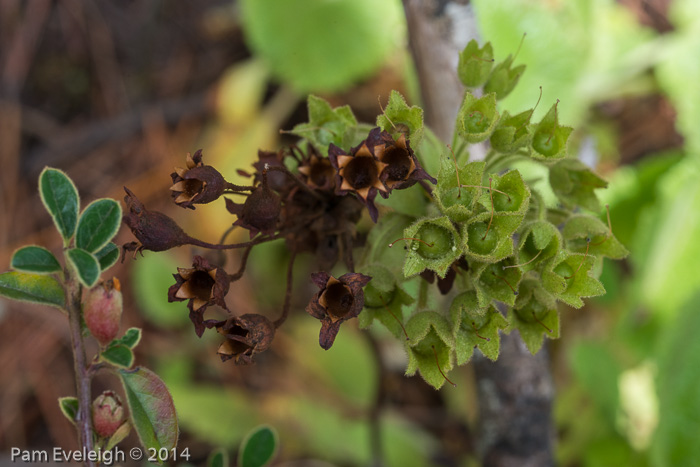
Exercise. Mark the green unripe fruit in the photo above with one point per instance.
(476, 122)
(477, 242)
(425, 346)
(546, 143)
(564, 270)
(436, 241)
(533, 312)
(376, 299)
(509, 202)
(475, 321)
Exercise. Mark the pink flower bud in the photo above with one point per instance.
(107, 414)
(102, 310)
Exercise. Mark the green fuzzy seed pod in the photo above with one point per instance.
(477, 118)
(479, 241)
(503, 78)
(475, 64)
(440, 238)
(549, 140)
(437, 246)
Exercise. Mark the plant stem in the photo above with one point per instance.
(83, 420)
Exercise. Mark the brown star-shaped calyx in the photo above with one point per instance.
(197, 183)
(338, 300)
(358, 172)
(203, 285)
(402, 168)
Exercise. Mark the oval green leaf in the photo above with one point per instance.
(107, 256)
(258, 447)
(59, 195)
(151, 409)
(98, 223)
(35, 259)
(118, 355)
(69, 407)
(131, 338)
(35, 288)
(86, 264)
(218, 458)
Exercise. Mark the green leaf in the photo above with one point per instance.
(496, 281)
(86, 265)
(35, 259)
(98, 223)
(258, 447)
(398, 114)
(60, 197)
(477, 117)
(475, 64)
(568, 277)
(69, 407)
(35, 288)
(131, 338)
(151, 409)
(581, 227)
(331, 45)
(218, 458)
(107, 256)
(535, 314)
(118, 355)
(118, 436)
(326, 125)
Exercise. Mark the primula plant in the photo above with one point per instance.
(93, 307)
(446, 261)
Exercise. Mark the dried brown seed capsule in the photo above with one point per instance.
(338, 300)
(203, 285)
(402, 166)
(246, 336)
(154, 230)
(197, 183)
(261, 210)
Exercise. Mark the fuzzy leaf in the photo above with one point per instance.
(131, 338)
(439, 247)
(431, 340)
(477, 117)
(574, 184)
(475, 64)
(60, 197)
(535, 314)
(503, 78)
(35, 259)
(69, 407)
(107, 256)
(468, 320)
(259, 447)
(549, 139)
(118, 436)
(512, 132)
(151, 409)
(532, 332)
(458, 203)
(326, 125)
(118, 355)
(35, 288)
(398, 114)
(98, 223)
(86, 265)
(580, 227)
